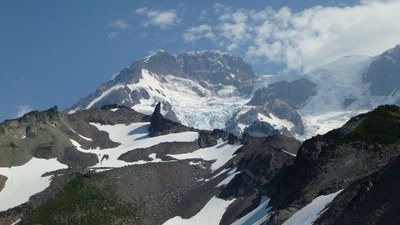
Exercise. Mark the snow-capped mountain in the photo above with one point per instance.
(211, 89)
(109, 164)
(333, 93)
(200, 89)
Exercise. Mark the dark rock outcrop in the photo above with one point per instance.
(384, 73)
(160, 126)
(258, 160)
(370, 200)
(208, 139)
(267, 102)
(328, 163)
(295, 93)
(260, 129)
(214, 67)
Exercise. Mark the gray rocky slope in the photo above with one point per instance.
(356, 159)
(153, 192)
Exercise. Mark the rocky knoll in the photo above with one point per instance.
(329, 163)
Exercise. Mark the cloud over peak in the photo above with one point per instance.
(306, 39)
(163, 19)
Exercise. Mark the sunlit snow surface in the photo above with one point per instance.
(208, 111)
(308, 214)
(26, 180)
(337, 82)
(130, 137)
(257, 216)
(221, 153)
(16, 222)
(210, 214)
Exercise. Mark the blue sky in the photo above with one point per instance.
(55, 52)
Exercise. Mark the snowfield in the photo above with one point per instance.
(337, 82)
(210, 214)
(311, 212)
(26, 180)
(130, 137)
(207, 111)
(221, 153)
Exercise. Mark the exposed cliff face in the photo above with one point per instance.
(383, 74)
(271, 104)
(295, 93)
(214, 67)
(371, 199)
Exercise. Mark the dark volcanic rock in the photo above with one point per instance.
(217, 68)
(160, 126)
(208, 139)
(384, 73)
(295, 93)
(259, 164)
(270, 103)
(258, 160)
(370, 200)
(261, 129)
(328, 163)
(76, 159)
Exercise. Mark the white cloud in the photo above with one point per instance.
(195, 33)
(22, 110)
(119, 24)
(163, 19)
(304, 40)
(112, 35)
(203, 14)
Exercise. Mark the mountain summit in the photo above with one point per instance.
(196, 88)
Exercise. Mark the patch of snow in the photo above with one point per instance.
(221, 153)
(311, 212)
(220, 173)
(154, 158)
(104, 94)
(114, 110)
(257, 216)
(26, 180)
(275, 121)
(16, 222)
(294, 155)
(81, 136)
(210, 214)
(130, 137)
(231, 174)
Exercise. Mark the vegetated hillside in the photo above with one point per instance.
(117, 166)
(340, 159)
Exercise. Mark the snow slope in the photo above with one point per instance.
(341, 95)
(221, 153)
(210, 214)
(26, 180)
(130, 137)
(257, 216)
(207, 111)
(308, 214)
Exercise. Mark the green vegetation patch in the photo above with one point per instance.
(84, 201)
(381, 125)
